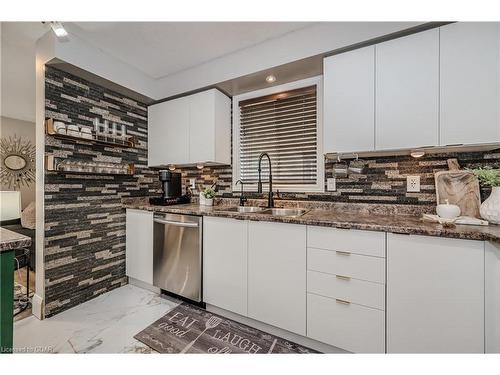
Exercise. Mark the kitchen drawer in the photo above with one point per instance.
(353, 241)
(352, 327)
(346, 264)
(360, 292)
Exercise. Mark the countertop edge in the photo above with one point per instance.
(415, 227)
(10, 240)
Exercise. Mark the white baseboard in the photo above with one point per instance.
(37, 306)
(143, 285)
(301, 340)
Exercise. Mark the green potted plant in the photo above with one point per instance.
(207, 197)
(490, 208)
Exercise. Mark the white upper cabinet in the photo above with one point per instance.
(407, 92)
(349, 101)
(190, 130)
(469, 83)
(168, 132)
(210, 127)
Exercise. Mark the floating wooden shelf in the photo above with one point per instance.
(101, 139)
(97, 168)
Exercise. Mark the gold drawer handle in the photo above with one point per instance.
(343, 253)
(346, 278)
(343, 302)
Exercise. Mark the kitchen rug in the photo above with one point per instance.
(189, 329)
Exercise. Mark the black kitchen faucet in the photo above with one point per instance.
(270, 200)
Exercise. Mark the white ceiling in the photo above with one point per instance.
(162, 48)
(155, 48)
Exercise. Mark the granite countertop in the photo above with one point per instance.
(341, 218)
(10, 240)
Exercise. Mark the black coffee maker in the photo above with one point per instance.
(171, 184)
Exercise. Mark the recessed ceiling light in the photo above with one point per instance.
(417, 154)
(270, 78)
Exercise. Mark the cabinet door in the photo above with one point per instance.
(277, 275)
(492, 297)
(202, 127)
(168, 132)
(469, 83)
(406, 91)
(435, 295)
(225, 263)
(139, 245)
(349, 101)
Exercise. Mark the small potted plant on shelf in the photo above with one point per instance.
(207, 197)
(490, 208)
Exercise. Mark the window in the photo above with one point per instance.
(284, 122)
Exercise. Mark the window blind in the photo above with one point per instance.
(285, 126)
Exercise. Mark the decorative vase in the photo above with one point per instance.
(490, 209)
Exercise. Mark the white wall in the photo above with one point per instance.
(306, 42)
(26, 130)
(92, 59)
(18, 79)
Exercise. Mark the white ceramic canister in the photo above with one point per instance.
(447, 210)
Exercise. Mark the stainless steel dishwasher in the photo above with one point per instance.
(177, 255)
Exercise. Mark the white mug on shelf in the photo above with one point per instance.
(60, 127)
(73, 130)
(86, 132)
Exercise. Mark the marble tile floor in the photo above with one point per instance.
(105, 324)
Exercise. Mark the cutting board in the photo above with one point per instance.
(460, 188)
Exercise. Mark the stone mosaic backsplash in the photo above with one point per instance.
(383, 181)
(84, 217)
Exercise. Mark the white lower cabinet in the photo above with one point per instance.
(225, 263)
(435, 295)
(361, 291)
(139, 245)
(492, 297)
(346, 288)
(277, 275)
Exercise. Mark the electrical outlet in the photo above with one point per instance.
(192, 183)
(331, 184)
(413, 184)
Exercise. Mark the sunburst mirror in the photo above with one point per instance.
(17, 166)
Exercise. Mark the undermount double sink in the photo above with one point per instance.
(291, 212)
